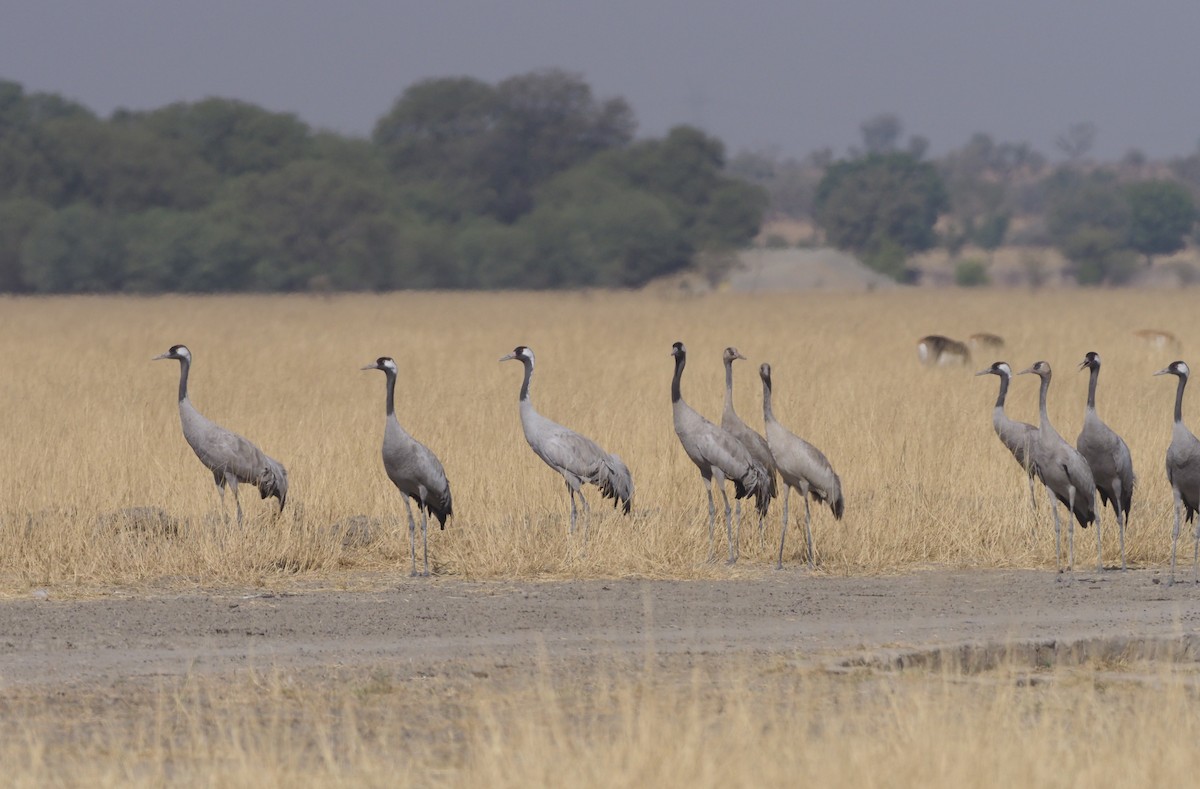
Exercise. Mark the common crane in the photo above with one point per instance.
(1108, 457)
(751, 440)
(1063, 471)
(1183, 468)
(1018, 437)
(413, 469)
(230, 458)
(718, 456)
(577, 458)
(802, 467)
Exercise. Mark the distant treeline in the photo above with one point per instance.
(528, 183)
(885, 201)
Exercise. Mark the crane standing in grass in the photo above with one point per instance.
(802, 467)
(1063, 471)
(1183, 468)
(577, 458)
(718, 456)
(1017, 436)
(752, 441)
(230, 458)
(413, 469)
(1108, 457)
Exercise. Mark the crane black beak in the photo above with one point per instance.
(507, 357)
(166, 355)
(1164, 371)
(1083, 364)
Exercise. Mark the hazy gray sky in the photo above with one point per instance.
(757, 73)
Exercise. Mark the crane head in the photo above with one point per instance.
(1091, 361)
(764, 372)
(1179, 368)
(521, 352)
(678, 350)
(998, 368)
(1040, 369)
(179, 352)
(385, 363)
(732, 353)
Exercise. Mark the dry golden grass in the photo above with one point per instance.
(767, 726)
(92, 428)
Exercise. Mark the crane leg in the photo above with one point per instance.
(1196, 553)
(737, 516)
(1057, 532)
(424, 538)
(1175, 533)
(571, 491)
(412, 537)
(712, 516)
(1032, 498)
(233, 485)
(733, 556)
(787, 491)
(812, 559)
(1099, 547)
(1120, 519)
(1071, 528)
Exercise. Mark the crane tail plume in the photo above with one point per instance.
(616, 483)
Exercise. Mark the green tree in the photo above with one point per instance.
(76, 250)
(18, 218)
(232, 137)
(1100, 256)
(1162, 213)
(876, 205)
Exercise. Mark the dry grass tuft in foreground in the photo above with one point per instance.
(767, 726)
(102, 490)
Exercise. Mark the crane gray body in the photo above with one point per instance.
(1108, 457)
(749, 438)
(1063, 471)
(577, 458)
(718, 456)
(413, 469)
(230, 457)
(1183, 469)
(1017, 437)
(803, 467)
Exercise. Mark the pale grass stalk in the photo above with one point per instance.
(772, 725)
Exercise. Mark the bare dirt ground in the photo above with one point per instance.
(450, 629)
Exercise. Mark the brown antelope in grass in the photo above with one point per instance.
(937, 351)
(1158, 339)
(985, 341)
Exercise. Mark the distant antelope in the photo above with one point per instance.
(1159, 340)
(935, 350)
(984, 340)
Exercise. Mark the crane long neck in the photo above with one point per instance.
(768, 414)
(184, 367)
(525, 383)
(1003, 392)
(1091, 403)
(1042, 400)
(728, 384)
(680, 361)
(1179, 399)
(391, 392)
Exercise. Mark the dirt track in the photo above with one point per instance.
(446, 627)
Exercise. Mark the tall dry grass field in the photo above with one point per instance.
(92, 429)
(764, 726)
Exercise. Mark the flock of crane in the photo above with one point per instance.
(1099, 462)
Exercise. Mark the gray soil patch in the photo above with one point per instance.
(418, 628)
